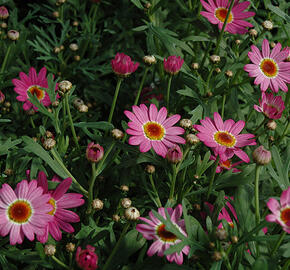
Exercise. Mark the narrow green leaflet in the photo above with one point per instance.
(4, 148)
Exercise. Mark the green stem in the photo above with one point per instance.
(91, 188)
(257, 208)
(168, 92)
(278, 243)
(208, 79)
(32, 122)
(223, 28)
(59, 262)
(172, 187)
(205, 56)
(71, 122)
(286, 265)
(4, 63)
(284, 132)
(159, 204)
(189, 4)
(108, 262)
(56, 157)
(223, 105)
(212, 177)
(115, 99)
(141, 85)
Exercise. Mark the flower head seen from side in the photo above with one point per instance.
(122, 65)
(32, 83)
(87, 259)
(216, 12)
(226, 165)
(150, 128)
(280, 212)
(60, 201)
(23, 211)
(271, 106)
(268, 67)
(4, 14)
(224, 137)
(173, 64)
(155, 230)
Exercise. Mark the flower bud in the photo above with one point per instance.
(197, 207)
(2, 97)
(74, 47)
(174, 154)
(229, 73)
(215, 59)
(221, 234)
(49, 250)
(75, 23)
(192, 139)
(70, 247)
(116, 218)
(4, 25)
(8, 172)
(56, 50)
(185, 123)
(4, 14)
(117, 134)
(94, 152)
(195, 66)
(13, 35)
(172, 64)
(7, 104)
(49, 143)
(55, 14)
(55, 103)
(267, 25)
(132, 213)
(124, 188)
(271, 138)
(234, 239)
(271, 125)
(149, 60)
(97, 204)
(272, 44)
(238, 42)
(261, 156)
(217, 70)
(61, 47)
(217, 256)
(253, 32)
(77, 58)
(126, 202)
(78, 102)
(211, 245)
(64, 87)
(83, 108)
(150, 169)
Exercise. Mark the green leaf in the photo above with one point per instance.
(260, 264)
(140, 28)
(7, 145)
(39, 105)
(196, 114)
(137, 3)
(216, 265)
(279, 12)
(95, 125)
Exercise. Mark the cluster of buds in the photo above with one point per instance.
(80, 105)
(13, 35)
(64, 87)
(149, 60)
(4, 14)
(48, 140)
(58, 49)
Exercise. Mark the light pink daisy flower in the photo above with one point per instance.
(59, 202)
(23, 212)
(281, 212)
(226, 165)
(269, 68)
(150, 128)
(217, 11)
(33, 84)
(163, 239)
(271, 106)
(224, 137)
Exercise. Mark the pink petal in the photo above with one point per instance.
(61, 189)
(153, 112)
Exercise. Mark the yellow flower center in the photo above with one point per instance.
(225, 138)
(269, 67)
(36, 91)
(221, 13)
(165, 235)
(285, 215)
(53, 204)
(154, 131)
(20, 211)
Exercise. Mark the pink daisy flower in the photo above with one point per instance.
(33, 84)
(268, 67)
(281, 212)
(23, 212)
(271, 106)
(163, 239)
(172, 64)
(226, 165)
(122, 65)
(59, 202)
(224, 137)
(217, 11)
(150, 128)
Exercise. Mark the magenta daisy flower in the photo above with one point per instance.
(271, 106)
(163, 239)
(226, 165)
(269, 68)
(150, 128)
(281, 212)
(61, 218)
(224, 137)
(32, 83)
(23, 212)
(217, 11)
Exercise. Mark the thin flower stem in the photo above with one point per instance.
(56, 157)
(168, 92)
(278, 243)
(4, 63)
(115, 99)
(141, 85)
(208, 79)
(59, 262)
(223, 105)
(257, 207)
(223, 28)
(71, 122)
(159, 204)
(116, 247)
(205, 56)
(172, 187)
(91, 188)
(284, 132)
(212, 177)
(32, 122)
(189, 5)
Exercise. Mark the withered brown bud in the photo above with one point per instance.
(49, 143)
(221, 234)
(70, 247)
(8, 172)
